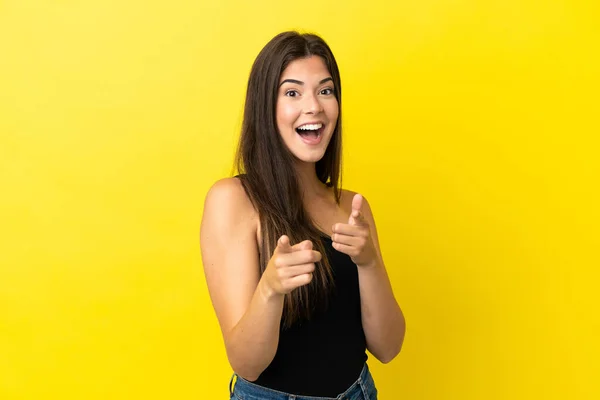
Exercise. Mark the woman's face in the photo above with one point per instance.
(307, 109)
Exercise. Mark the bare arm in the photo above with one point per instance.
(248, 307)
(383, 320)
(248, 313)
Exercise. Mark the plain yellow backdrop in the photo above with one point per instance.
(471, 126)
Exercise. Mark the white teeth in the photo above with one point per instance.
(310, 127)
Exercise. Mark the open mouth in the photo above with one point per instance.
(311, 133)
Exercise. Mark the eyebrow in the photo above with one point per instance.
(297, 82)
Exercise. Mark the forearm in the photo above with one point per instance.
(252, 343)
(382, 318)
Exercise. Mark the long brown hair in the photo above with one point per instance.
(266, 166)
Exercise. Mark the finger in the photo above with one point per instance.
(357, 218)
(355, 241)
(304, 245)
(283, 245)
(307, 245)
(300, 280)
(348, 229)
(296, 270)
(356, 215)
(286, 260)
(303, 257)
(357, 202)
(346, 249)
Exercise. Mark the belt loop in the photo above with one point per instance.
(231, 384)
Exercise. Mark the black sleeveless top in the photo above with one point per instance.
(324, 356)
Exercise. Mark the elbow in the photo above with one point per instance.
(391, 350)
(249, 376)
(247, 365)
(249, 369)
(396, 346)
(388, 356)
(248, 372)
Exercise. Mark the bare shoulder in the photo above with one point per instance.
(228, 195)
(229, 249)
(228, 215)
(228, 212)
(347, 194)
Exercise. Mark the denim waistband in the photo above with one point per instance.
(362, 388)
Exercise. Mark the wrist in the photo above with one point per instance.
(267, 292)
(369, 265)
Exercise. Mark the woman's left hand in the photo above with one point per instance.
(354, 238)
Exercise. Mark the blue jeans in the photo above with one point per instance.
(363, 389)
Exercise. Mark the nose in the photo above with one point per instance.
(312, 105)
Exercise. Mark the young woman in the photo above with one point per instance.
(292, 261)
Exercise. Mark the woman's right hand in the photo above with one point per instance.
(290, 266)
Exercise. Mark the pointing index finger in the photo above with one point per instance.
(356, 216)
(357, 202)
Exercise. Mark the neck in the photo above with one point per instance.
(310, 185)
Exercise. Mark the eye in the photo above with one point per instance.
(291, 93)
(327, 91)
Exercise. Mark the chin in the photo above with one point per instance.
(309, 158)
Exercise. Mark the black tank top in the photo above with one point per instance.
(324, 356)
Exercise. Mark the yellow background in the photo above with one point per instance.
(471, 126)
